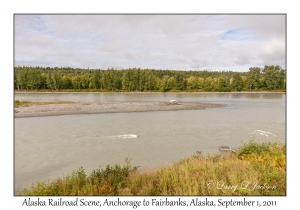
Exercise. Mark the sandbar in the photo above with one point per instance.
(106, 107)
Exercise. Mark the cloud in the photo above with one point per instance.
(184, 42)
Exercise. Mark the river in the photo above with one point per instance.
(48, 147)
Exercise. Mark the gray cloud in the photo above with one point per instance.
(150, 41)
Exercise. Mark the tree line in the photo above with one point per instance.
(136, 79)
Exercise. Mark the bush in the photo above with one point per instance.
(100, 182)
(264, 155)
(258, 148)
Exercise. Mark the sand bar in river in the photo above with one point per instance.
(106, 107)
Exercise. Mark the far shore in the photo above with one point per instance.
(84, 91)
(39, 110)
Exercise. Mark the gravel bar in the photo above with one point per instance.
(106, 107)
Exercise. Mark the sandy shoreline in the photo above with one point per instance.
(106, 107)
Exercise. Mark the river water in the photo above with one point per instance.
(48, 147)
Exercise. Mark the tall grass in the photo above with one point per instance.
(255, 169)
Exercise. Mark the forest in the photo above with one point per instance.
(268, 78)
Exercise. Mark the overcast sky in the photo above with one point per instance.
(179, 42)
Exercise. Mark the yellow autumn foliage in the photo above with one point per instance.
(276, 159)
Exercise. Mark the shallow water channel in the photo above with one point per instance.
(48, 147)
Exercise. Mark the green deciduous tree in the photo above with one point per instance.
(192, 83)
(56, 79)
(66, 82)
(171, 83)
(208, 85)
(254, 78)
(236, 82)
(200, 83)
(273, 77)
(76, 82)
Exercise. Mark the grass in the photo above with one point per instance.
(254, 169)
(18, 103)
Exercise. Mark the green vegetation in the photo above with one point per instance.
(18, 103)
(254, 169)
(271, 78)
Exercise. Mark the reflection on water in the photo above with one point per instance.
(48, 147)
(96, 97)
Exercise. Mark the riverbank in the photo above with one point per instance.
(71, 108)
(254, 169)
(109, 91)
